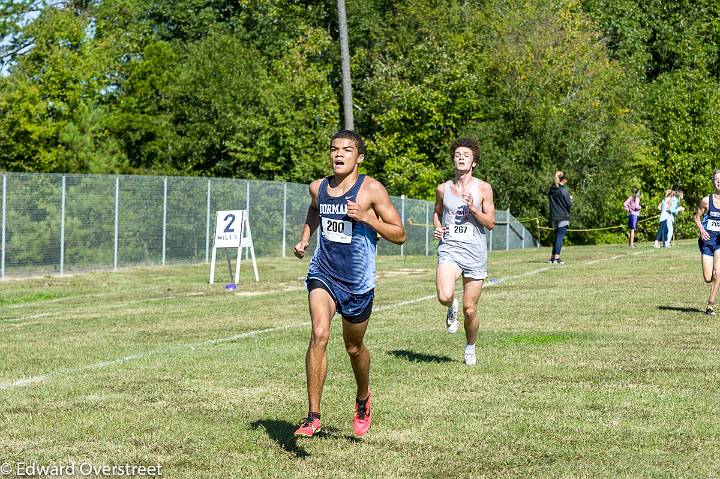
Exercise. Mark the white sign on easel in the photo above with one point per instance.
(232, 230)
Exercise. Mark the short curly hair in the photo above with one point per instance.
(351, 135)
(470, 143)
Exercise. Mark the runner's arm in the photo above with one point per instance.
(388, 223)
(699, 212)
(438, 211)
(485, 215)
(312, 221)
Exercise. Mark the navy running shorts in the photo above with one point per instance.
(708, 248)
(354, 308)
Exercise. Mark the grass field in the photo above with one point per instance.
(602, 367)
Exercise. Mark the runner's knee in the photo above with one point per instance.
(354, 349)
(445, 297)
(319, 337)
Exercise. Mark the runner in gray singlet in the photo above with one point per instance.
(464, 242)
(464, 211)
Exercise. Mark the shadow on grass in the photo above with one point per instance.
(283, 433)
(681, 309)
(414, 357)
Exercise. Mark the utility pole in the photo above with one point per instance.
(345, 55)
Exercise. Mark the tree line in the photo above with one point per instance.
(616, 93)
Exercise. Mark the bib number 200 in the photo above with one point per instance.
(337, 231)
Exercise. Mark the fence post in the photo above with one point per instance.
(164, 219)
(62, 227)
(427, 227)
(507, 229)
(247, 207)
(4, 209)
(207, 225)
(490, 241)
(284, 214)
(523, 236)
(402, 216)
(117, 206)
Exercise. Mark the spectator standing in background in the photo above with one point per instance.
(664, 206)
(632, 206)
(560, 203)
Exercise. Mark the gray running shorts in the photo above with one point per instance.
(474, 270)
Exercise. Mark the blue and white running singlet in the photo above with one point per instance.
(346, 255)
(711, 222)
(711, 218)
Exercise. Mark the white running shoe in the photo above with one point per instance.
(451, 321)
(470, 358)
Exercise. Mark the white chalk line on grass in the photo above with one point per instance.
(103, 307)
(33, 316)
(105, 364)
(17, 383)
(133, 357)
(99, 296)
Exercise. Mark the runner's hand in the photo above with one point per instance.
(355, 212)
(468, 199)
(440, 232)
(299, 249)
(704, 234)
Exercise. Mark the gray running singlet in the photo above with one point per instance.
(464, 243)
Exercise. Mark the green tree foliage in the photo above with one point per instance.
(560, 104)
(672, 50)
(618, 93)
(532, 81)
(50, 116)
(425, 85)
(685, 107)
(300, 111)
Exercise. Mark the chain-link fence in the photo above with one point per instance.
(54, 224)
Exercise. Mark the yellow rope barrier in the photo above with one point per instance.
(412, 223)
(536, 220)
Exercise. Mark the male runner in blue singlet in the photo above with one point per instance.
(707, 219)
(351, 210)
(464, 211)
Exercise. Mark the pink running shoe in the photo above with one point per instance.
(362, 419)
(309, 427)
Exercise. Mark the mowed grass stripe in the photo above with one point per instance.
(580, 374)
(103, 309)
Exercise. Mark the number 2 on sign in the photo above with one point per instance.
(229, 228)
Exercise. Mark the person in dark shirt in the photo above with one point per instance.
(560, 202)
